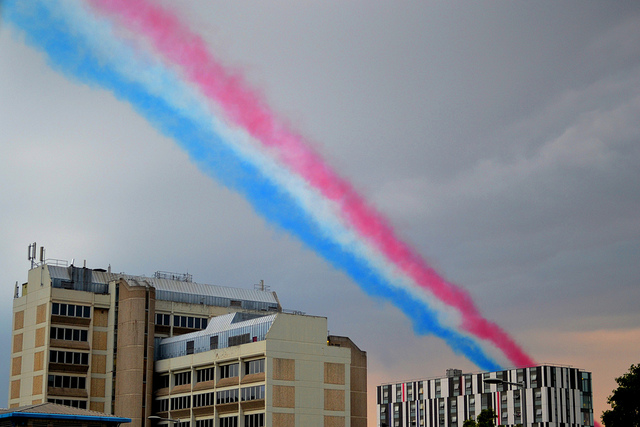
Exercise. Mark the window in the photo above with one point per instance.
(68, 357)
(229, 422)
(385, 393)
(181, 402)
(210, 422)
(65, 381)
(239, 339)
(68, 334)
(182, 378)
(163, 319)
(206, 374)
(253, 393)
(586, 382)
(486, 398)
(189, 322)
(162, 405)
(162, 381)
(586, 401)
(204, 399)
(227, 396)
(213, 342)
(71, 310)
(254, 367)
(229, 371)
(254, 420)
(190, 347)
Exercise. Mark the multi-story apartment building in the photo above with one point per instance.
(539, 396)
(276, 370)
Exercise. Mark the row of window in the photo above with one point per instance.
(253, 420)
(82, 404)
(208, 374)
(68, 334)
(71, 310)
(207, 399)
(68, 357)
(239, 340)
(66, 381)
(231, 341)
(182, 321)
(411, 394)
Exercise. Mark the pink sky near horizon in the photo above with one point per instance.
(554, 348)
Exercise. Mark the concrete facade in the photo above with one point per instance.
(85, 338)
(304, 379)
(89, 339)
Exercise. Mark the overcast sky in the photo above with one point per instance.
(502, 139)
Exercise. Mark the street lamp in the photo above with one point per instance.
(520, 385)
(157, 418)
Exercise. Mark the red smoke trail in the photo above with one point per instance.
(180, 46)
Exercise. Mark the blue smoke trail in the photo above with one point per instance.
(74, 57)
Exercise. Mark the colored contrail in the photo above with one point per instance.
(281, 176)
(180, 46)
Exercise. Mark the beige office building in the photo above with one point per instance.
(89, 338)
(276, 370)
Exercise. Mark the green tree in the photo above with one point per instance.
(625, 401)
(486, 418)
(469, 423)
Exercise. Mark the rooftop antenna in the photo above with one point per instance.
(261, 286)
(32, 254)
